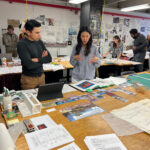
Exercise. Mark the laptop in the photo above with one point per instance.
(50, 91)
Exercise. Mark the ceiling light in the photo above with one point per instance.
(138, 7)
(77, 1)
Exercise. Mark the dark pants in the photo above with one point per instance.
(139, 57)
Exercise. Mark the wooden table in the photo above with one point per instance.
(94, 125)
(12, 80)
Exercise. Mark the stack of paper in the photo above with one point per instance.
(18, 69)
(9, 70)
(48, 138)
(52, 67)
(103, 82)
(104, 142)
(129, 53)
(117, 80)
(109, 81)
(119, 62)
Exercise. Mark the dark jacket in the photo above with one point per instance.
(148, 46)
(10, 42)
(27, 50)
(141, 44)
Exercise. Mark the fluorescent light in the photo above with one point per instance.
(138, 7)
(77, 1)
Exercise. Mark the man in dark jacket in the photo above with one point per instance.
(148, 42)
(33, 54)
(139, 48)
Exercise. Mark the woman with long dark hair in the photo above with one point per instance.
(116, 48)
(85, 56)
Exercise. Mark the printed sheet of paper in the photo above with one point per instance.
(104, 142)
(72, 146)
(67, 88)
(43, 121)
(136, 113)
(48, 138)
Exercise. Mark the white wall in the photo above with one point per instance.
(63, 18)
(108, 25)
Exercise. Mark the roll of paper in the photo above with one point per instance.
(6, 142)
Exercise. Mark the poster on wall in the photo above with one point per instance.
(124, 38)
(41, 19)
(49, 22)
(14, 22)
(72, 31)
(114, 31)
(95, 24)
(120, 27)
(116, 20)
(126, 22)
(106, 36)
(142, 29)
(108, 27)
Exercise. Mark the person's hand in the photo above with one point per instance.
(35, 60)
(45, 53)
(134, 48)
(78, 57)
(93, 60)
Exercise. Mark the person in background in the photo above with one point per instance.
(116, 48)
(10, 40)
(33, 54)
(148, 42)
(139, 48)
(85, 56)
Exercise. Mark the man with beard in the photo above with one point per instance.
(139, 48)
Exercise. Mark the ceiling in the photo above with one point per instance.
(127, 3)
(115, 4)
